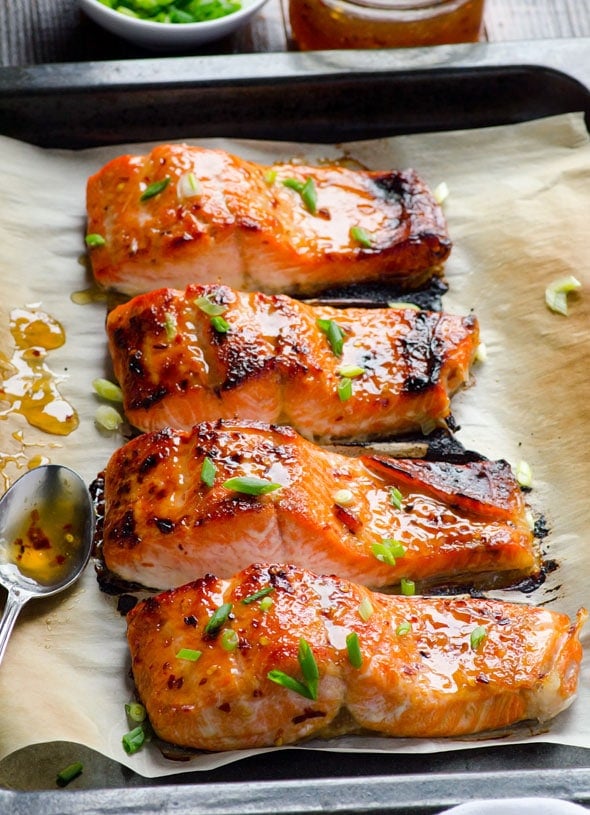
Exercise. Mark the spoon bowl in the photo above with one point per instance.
(46, 536)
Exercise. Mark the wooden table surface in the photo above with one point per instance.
(49, 31)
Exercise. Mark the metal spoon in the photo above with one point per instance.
(46, 533)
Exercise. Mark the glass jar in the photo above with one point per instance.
(325, 24)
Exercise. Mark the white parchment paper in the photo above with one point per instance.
(518, 213)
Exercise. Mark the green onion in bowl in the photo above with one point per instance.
(174, 11)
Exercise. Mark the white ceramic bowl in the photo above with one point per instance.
(169, 36)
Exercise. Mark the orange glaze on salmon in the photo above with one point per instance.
(164, 526)
(272, 362)
(219, 218)
(430, 667)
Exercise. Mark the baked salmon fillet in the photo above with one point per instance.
(209, 352)
(277, 654)
(174, 511)
(185, 214)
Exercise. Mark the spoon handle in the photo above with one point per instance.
(14, 603)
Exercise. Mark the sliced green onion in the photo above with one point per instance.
(441, 192)
(134, 740)
(188, 186)
(354, 650)
(107, 390)
(307, 190)
(135, 712)
(190, 654)
(266, 603)
(107, 417)
(366, 609)
(556, 293)
(478, 635)
(154, 189)
(360, 235)
(408, 586)
(229, 639)
(309, 668)
(343, 497)
(334, 333)
(220, 324)
(69, 773)
(344, 389)
(388, 550)
(350, 371)
(481, 352)
(524, 475)
(395, 497)
(258, 595)
(270, 176)
(218, 619)
(208, 472)
(94, 239)
(170, 326)
(206, 305)
(403, 628)
(251, 485)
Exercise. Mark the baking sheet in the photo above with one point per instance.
(517, 212)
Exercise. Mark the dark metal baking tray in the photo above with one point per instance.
(317, 97)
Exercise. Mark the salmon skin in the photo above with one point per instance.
(170, 515)
(185, 214)
(212, 352)
(217, 662)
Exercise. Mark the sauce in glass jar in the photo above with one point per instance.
(325, 24)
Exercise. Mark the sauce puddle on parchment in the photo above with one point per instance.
(28, 387)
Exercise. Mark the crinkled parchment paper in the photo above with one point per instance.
(518, 214)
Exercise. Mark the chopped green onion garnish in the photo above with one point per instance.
(209, 307)
(218, 619)
(258, 595)
(208, 471)
(524, 474)
(350, 371)
(354, 650)
(403, 628)
(360, 235)
(388, 550)
(134, 740)
(366, 609)
(481, 352)
(344, 389)
(69, 773)
(441, 192)
(266, 603)
(343, 497)
(395, 497)
(307, 191)
(334, 333)
(188, 186)
(309, 668)
(107, 417)
(190, 654)
(94, 239)
(154, 189)
(135, 712)
(220, 324)
(229, 639)
(408, 587)
(251, 485)
(270, 176)
(170, 326)
(107, 390)
(556, 293)
(478, 635)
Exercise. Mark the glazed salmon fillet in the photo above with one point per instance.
(209, 352)
(277, 654)
(171, 513)
(185, 214)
